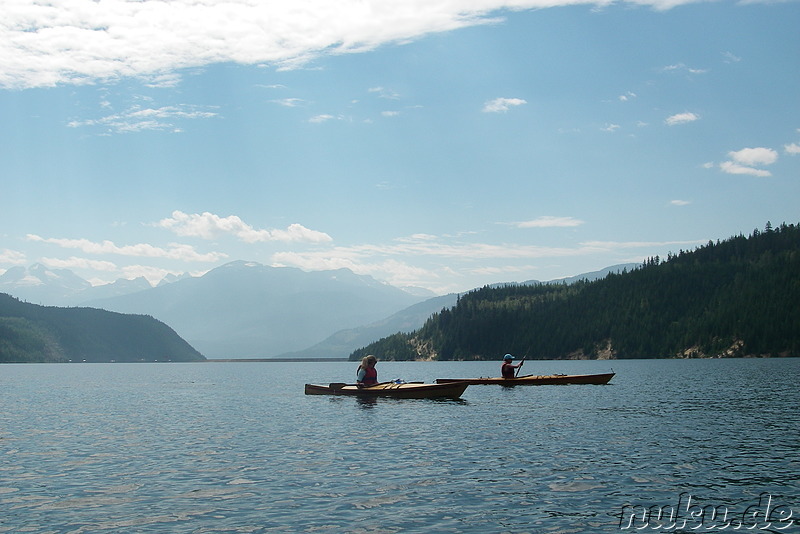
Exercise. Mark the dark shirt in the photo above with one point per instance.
(508, 370)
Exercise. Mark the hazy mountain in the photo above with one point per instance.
(595, 275)
(590, 276)
(41, 285)
(418, 291)
(245, 309)
(344, 342)
(170, 278)
(61, 287)
(116, 289)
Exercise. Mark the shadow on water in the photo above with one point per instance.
(367, 403)
(370, 402)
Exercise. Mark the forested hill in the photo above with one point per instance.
(32, 333)
(739, 297)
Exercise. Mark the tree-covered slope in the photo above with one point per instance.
(31, 333)
(739, 297)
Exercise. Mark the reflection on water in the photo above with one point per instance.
(367, 402)
(238, 448)
(371, 402)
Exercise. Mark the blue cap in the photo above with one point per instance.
(508, 357)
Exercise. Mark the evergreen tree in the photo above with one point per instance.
(736, 297)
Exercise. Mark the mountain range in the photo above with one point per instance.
(249, 310)
(39, 284)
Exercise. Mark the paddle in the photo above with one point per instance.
(520, 365)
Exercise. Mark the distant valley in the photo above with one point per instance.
(239, 310)
(248, 310)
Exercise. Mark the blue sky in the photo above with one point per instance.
(439, 144)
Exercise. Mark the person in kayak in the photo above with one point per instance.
(367, 374)
(508, 368)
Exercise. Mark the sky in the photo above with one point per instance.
(441, 144)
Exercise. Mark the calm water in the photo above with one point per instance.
(238, 447)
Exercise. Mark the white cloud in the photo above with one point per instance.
(321, 118)
(746, 160)
(754, 156)
(390, 113)
(84, 41)
(12, 256)
(679, 202)
(619, 245)
(393, 262)
(550, 222)
(289, 102)
(504, 269)
(176, 251)
(410, 248)
(79, 263)
(384, 93)
(422, 237)
(501, 105)
(730, 58)
(792, 149)
(681, 118)
(137, 119)
(164, 80)
(627, 96)
(682, 67)
(208, 226)
(425, 246)
(394, 271)
(386, 185)
(734, 168)
(298, 232)
(610, 127)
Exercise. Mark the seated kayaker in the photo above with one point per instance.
(367, 374)
(508, 368)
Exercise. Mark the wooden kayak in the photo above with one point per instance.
(532, 380)
(404, 390)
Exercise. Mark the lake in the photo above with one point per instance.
(667, 446)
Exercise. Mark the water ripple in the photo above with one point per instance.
(204, 448)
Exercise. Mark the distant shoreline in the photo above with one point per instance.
(226, 360)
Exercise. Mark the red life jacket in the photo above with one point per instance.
(371, 376)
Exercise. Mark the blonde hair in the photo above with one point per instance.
(365, 361)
